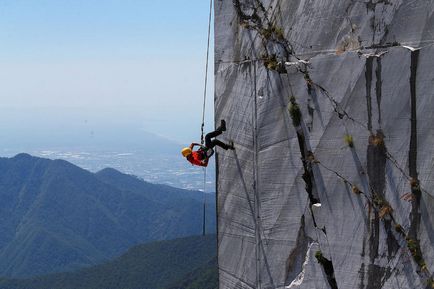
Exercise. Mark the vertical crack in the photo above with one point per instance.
(413, 242)
(368, 78)
(378, 88)
(412, 161)
(308, 178)
(374, 238)
(413, 137)
(376, 165)
(327, 265)
(376, 168)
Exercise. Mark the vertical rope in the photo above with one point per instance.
(204, 203)
(206, 72)
(255, 184)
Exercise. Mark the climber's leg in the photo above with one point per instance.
(215, 133)
(224, 146)
(211, 135)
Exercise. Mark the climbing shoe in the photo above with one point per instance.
(222, 126)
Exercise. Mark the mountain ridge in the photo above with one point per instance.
(160, 264)
(58, 217)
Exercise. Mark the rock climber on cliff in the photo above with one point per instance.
(201, 156)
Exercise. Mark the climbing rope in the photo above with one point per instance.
(203, 114)
(206, 72)
(204, 203)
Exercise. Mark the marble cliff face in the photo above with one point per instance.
(330, 105)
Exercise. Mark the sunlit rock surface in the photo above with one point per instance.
(328, 102)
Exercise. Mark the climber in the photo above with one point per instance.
(201, 156)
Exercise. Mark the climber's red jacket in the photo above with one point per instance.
(198, 158)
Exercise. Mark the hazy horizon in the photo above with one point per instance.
(135, 64)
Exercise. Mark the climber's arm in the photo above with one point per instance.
(194, 144)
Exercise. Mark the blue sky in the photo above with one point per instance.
(139, 63)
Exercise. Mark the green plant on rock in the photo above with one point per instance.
(383, 206)
(294, 111)
(424, 267)
(414, 248)
(266, 32)
(349, 140)
(356, 190)
(412, 245)
(270, 62)
(385, 210)
(378, 200)
(377, 139)
(272, 32)
(431, 282)
(320, 257)
(245, 24)
(279, 33)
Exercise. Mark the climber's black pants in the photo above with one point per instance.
(215, 142)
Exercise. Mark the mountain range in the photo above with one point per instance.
(185, 263)
(57, 217)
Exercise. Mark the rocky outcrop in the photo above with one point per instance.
(330, 106)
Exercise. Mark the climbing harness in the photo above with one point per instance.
(206, 152)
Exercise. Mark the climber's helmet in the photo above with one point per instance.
(186, 152)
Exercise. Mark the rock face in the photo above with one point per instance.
(327, 102)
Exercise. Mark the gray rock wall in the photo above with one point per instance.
(326, 104)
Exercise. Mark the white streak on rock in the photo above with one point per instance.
(300, 277)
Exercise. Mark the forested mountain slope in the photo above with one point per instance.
(188, 262)
(57, 217)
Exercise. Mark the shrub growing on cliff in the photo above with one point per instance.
(383, 206)
(266, 32)
(356, 190)
(278, 32)
(271, 62)
(377, 139)
(319, 257)
(349, 140)
(245, 24)
(385, 210)
(414, 248)
(272, 32)
(378, 200)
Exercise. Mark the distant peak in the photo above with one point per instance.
(107, 171)
(23, 156)
(110, 174)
